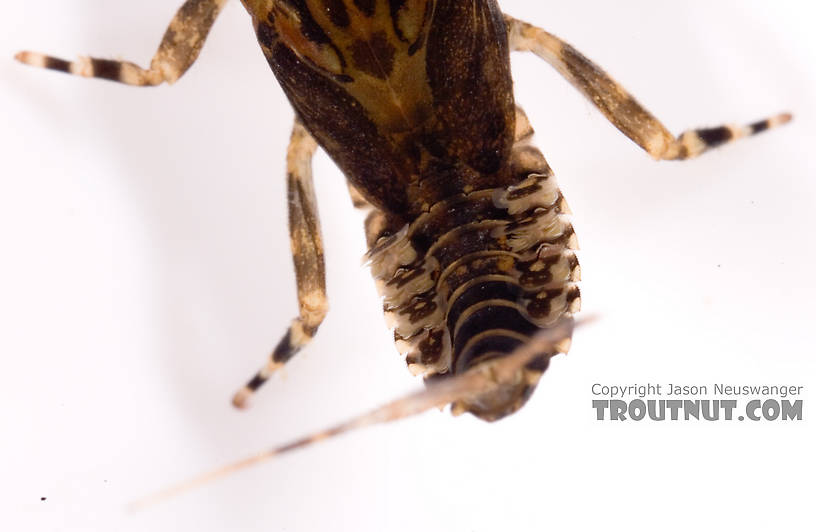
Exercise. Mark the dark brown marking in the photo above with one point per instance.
(414, 48)
(375, 56)
(406, 275)
(267, 36)
(394, 7)
(542, 275)
(527, 218)
(55, 63)
(256, 382)
(524, 191)
(759, 127)
(368, 7)
(563, 238)
(419, 308)
(106, 69)
(284, 350)
(540, 305)
(715, 136)
(430, 348)
(336, 9)
(308, 25)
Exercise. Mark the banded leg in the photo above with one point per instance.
(178, 50)
(618, 105)
(307, 253)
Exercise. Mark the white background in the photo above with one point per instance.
(145, 275)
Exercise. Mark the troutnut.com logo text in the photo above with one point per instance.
(714, 402)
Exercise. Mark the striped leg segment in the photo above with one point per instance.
(178, 50)
(619, 106)
(307, 253)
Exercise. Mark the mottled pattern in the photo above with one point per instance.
(479, 273)
(412, 99)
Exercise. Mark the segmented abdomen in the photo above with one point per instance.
(481, 272)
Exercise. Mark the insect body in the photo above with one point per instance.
(470, 244)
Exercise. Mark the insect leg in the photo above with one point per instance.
(307, 253)
(436, 395)
(618, 105)
(178, 50)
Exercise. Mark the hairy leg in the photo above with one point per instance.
(307, 253)
(620, 107)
